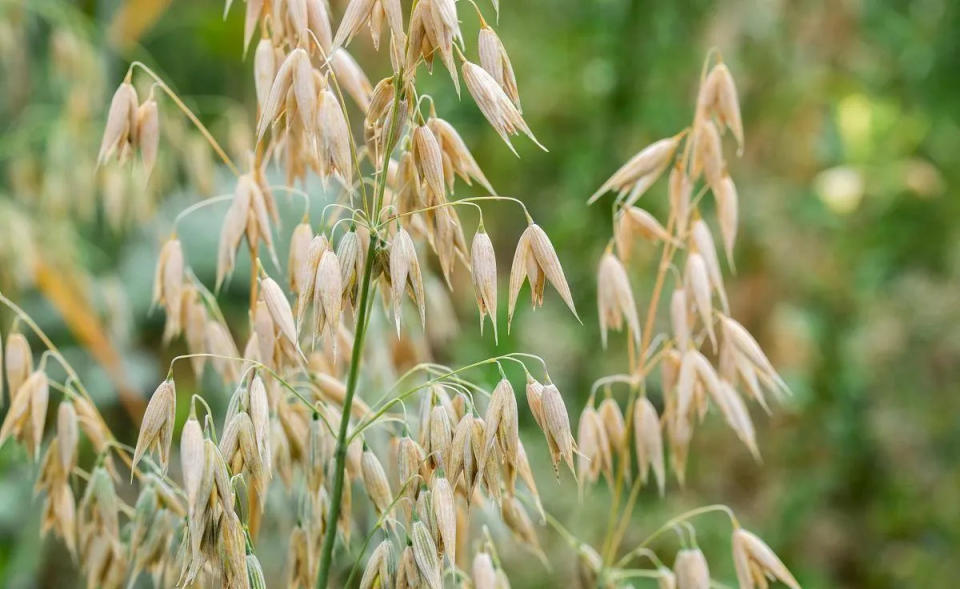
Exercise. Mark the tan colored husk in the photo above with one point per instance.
(264, 70)
(378, 569)
(494, 59)
(354, 17)
(156, 428)
(557, 430)
(425, 554)
(148, 134)
(727, 212)
(483, 269)
(121, 122)
(534, 260)
(691, 569)
(615, 299)
(67, 435)
(640, 170)
(648, 441)
(445, 511)
(754, 561)
(496, 106)
(18, 361)
(484, 576)
(404, 271)
(375, 481)
(696, 280)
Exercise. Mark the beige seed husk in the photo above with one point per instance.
(494, 59)
(220, 342)
(429, 161)
(334, 138)
(304, 87)
(484, 575)
(753, 559)
(455, 149)
(148, 134)
(375, 481)
(352, 78)
(704, 245)
(612, 419)
(168, 285)
(748, 346)
(441, 435)
(121, 121)
(445, 511)
(39, 397)
(727, 212)
(516, 518)
(615, 298)
(264, 70)
(300, 240)
(281, 84)
(495, 105)
(535, 400)
(318, 21)
(536, 259)
(483, 270)
(707, 153)
(192, 459)
(377, 571)
(696, 280)
(726, 103)
(328, 295)
(649, 163)
(679, 318)
(737, 416)
(67, 435)
(404, 271)
(691, 569)
(680, 190)
(18, 361)
(279, 308)
(425, 554)
(354, 17)
(648, 440)
(156, 428)
(557, 424)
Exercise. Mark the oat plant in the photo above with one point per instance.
(437, 458)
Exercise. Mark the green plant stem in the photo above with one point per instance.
(356, 356)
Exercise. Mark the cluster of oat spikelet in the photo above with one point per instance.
(434, 479)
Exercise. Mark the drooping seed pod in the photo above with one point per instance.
(691, 569)
(148, 134)
(754, 561)
(156, 429)
(404, 271)
(648, 441)
(18, 361)
(168, 285)
(351, 78)
(679, 317)
(445, 512)
(534, 260)
(282, 83)
(535, 400)
(192, 460)
(707, 153)
(429, 162)
(696, 280)
(727, 212)
(615, 299)
(455, 150)
(379, 567)
(121, 122)
(354, 17)
(496, 106)
(484, 274)
(264, 70)
(67, 435)
(494, 59)
(425, 554)
(636, 221)
(484, 575)
(375, 481)
(559, 436)
(641, 170)
(748, 346)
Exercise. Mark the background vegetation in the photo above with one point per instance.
(848, 266)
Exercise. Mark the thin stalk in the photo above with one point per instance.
(356, 355)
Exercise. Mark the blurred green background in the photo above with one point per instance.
(848, 263)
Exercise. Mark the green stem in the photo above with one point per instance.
(356, 355)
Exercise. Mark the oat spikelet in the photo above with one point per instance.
(444, 509)
(279, 308)
(615, 299)
(282, 82)
(557, 422)
(648, 441)
(67, 435)
(121, 122)
(425, 554)
(755, 561)
(456, 152)
(495, 105)
(534, 260)
(727, 214)
(378, 570)
(375, 482)
(691, 569)
(696, 279)
(719, 96)
(649, 163)
(356, 14)
(148, 134)
(17, 361)
(494, 59)
(168, 285)
(404, 271)
(156, 429)
(484, 574)
(483, 270)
